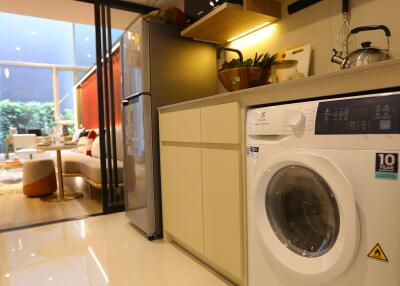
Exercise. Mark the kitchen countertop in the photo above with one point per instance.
(374, 76)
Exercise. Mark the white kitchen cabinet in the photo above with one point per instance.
(220, 124)
(222, 209)
(180, 126)
(201, 184)
(182, 194)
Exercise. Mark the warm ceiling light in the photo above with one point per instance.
(18, 48)
(7, 275)
(249, 31)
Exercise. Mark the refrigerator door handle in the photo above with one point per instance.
(135, 95)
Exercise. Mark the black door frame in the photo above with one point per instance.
(105, 96)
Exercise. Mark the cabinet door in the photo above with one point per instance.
(180, 126)
(182, 194)
(222, 209)
(220, 123)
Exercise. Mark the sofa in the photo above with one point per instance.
(77, 163)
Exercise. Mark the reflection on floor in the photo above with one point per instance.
(18, 210)
(103, 250)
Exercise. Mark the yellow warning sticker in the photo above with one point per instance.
(378, 254)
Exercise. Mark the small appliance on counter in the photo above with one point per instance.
(292, 64)
(159, 68)
(196, 9)
(367, 54)
(285, 70)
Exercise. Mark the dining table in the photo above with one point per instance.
(61, 195)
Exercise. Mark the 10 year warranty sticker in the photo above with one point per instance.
(378, 254)
(386, 166)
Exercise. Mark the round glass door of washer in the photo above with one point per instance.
(302, 211)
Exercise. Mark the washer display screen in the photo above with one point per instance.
(302, 211)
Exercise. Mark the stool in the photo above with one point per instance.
(39, 178)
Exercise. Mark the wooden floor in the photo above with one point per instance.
(18, 210)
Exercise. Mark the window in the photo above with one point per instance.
(38, 40)
(30, 61)
(31, 39)
(26, 99)
(66, 98)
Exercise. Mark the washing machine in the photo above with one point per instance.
(323, 192)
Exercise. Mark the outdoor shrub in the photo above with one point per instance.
(25, 115)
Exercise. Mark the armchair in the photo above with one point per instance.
(24, 144)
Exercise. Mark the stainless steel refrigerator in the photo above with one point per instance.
(159, 68)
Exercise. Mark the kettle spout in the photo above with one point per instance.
(337, 57)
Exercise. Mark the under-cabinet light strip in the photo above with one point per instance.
(249, 31)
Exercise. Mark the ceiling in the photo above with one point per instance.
(78, 12)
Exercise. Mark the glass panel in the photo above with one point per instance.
(302, 211)
(31, 39)
(26, 100)
(85, 43)
(66, 100)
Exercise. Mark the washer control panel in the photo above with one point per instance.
(368, 115)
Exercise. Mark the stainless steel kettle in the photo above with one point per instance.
(366, 54)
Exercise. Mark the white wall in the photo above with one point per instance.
(318, 25)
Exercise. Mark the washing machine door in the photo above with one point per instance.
(306, 216)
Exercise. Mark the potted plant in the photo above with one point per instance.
(239, 74)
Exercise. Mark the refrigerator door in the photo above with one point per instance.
(138, 162)
(136, 58)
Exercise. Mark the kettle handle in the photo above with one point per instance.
(372, 28)
(368, 28)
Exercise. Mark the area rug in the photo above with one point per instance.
(10, 182)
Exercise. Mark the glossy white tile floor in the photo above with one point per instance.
(102, 250)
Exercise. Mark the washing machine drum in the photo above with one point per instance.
(305, 216)
(302, 211)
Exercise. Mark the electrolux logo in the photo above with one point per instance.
(263, 116)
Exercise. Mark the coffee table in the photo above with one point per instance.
(62, 195)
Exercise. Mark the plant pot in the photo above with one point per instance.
(244, 77)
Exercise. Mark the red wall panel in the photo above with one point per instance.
(117, 86)
(90, 119)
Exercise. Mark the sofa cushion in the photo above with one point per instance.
(71, 162)
(91, 169)
(81, 149)
(96, 148)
